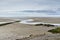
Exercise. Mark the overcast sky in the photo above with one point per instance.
(29, 4)
(18, 5)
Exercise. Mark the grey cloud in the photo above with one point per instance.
(40, 11)
(28, 4)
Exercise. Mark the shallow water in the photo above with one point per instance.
(30, 21)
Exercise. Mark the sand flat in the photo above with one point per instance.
(48, 19)
(17, 30)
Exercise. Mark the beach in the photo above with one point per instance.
(19, 31)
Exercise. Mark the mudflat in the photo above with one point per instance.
(18, 31)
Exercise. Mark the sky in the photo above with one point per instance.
(11, 7)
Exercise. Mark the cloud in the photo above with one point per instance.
(39, 11)
(28, 4)
(12, 6)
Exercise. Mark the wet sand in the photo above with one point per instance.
(19, 31)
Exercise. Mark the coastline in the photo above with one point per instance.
(17, 30)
